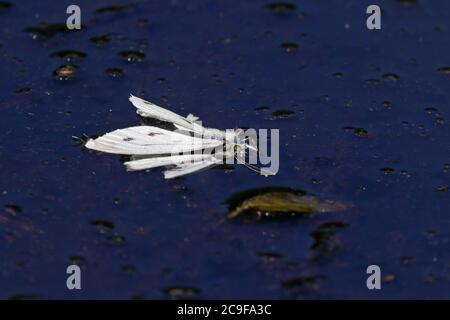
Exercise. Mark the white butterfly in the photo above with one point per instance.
(191, 148)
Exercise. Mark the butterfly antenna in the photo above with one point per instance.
(248, 165)
(254, 168)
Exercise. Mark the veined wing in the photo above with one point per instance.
(148, 163)
(188, 168)
(147, 140)
(151, 110)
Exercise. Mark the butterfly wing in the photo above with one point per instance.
(151, 110)
(188, 168)
(148, 140)
(154, 162)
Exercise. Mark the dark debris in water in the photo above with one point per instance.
(269, 256)
(360, 132)
(114, 72)
(289, 47)
(77, 259)
(282, 8)
(132, 55)
(69, 55)
(24, 296)
(103, 226)
(181, 292)
(116, 240)
(115, 9)
(441, 188)
(48, 30)
(391, 76)
(24, 90)
(129, 269)
(13, 209)
(304, 284)
(101, 40)
(444, 70)
(5, 5)
(65, 72)
(387, 170)
(282, 114)
(407, 3)
(236, 199)
(326, 240)
(373, 82)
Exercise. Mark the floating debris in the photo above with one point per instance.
(129, 269)
(143, 22)
(387, 104)
(115, 8)
(77, 259)
(64, 73)
(289, 47)
(304, 283)
(430, 110)
(101, 40)
(407, 2)
(446, 168)
(69, 55)
(47, 30)
(387, 170)
(116, 240)
(445, 70)
(103, 226)
(441, 188)
(24, 296)
(325, 239)
(269, 256)
(282, 8)
(114, 72)
(361, 132)
(373, 82)
(440, 120)
(5, 5)
(132, 56)
(406, 260)
(181, 292)
(25, 90)
(278, 204)
(261, 109)
(13, 209)
(391, 76)
(282, 114)
(389, 278)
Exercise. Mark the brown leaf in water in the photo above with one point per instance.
(276, 203)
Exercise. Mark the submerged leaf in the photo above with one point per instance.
(275, 203)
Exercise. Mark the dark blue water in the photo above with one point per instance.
(360, 134)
